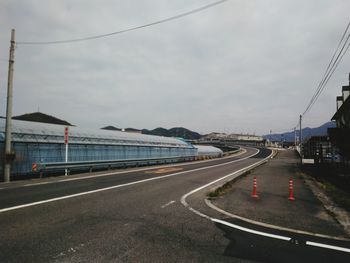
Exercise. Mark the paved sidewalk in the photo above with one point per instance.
(272, 206)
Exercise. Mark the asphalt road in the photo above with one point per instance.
(127, 217)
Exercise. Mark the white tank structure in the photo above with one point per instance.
(207, 151)
(35, 142)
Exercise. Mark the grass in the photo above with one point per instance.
(336, 187)
(338, 196)
(224, 189)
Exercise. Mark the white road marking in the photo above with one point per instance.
(315, 244)
(212, 206)
(183, 198)
(119, 186)
(37, 184)
(260, 233)
(134, 170)
(167, 204)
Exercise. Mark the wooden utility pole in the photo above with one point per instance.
(9, 155)
(301, 137)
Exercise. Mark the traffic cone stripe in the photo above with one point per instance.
(254, 193)
(291, 193)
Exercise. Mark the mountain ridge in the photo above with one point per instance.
(307, 132)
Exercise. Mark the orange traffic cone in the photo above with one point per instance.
(254, 194)
(291, 194)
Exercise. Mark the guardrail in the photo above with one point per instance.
(41, 167)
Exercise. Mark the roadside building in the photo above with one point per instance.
(318, 148)
(232, 139)
(340, 136)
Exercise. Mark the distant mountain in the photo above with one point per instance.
(111, 128)
(41, 117)
(157, 131)
(174, 132)
(307, 133)
(133, 130)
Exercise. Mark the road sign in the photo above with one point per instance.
(66, 143)
(34, 167)
(65, 135)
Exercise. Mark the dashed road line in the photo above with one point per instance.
(169, 203)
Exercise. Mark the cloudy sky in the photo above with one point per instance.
(243, 66)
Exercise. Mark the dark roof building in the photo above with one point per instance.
(340, 136)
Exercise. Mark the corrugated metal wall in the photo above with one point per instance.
(29, 153)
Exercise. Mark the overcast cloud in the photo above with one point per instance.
(243, 66)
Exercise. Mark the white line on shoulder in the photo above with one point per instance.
(260, 233)
(315, 244)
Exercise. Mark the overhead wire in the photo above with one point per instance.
(333, 64)
(340, 55)
(193, 11)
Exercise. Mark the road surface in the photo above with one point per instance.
(133, 216)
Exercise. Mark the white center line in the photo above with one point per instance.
(167, 204)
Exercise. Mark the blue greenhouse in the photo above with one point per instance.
(43, 144)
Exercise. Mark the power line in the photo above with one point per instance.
(124, 30)
(331, 72)
(325, 73)
(333, 64)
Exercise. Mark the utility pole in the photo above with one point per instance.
(295, 137)
(9, 156)
(301, 137)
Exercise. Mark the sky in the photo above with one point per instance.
(244, 66)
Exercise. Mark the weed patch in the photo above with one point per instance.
(224, 189)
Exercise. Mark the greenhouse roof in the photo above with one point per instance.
(25, 131)
(204, 149)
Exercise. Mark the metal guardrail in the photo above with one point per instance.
(40, 167)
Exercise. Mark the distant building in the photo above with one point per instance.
(340, 136)
(231, 139)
